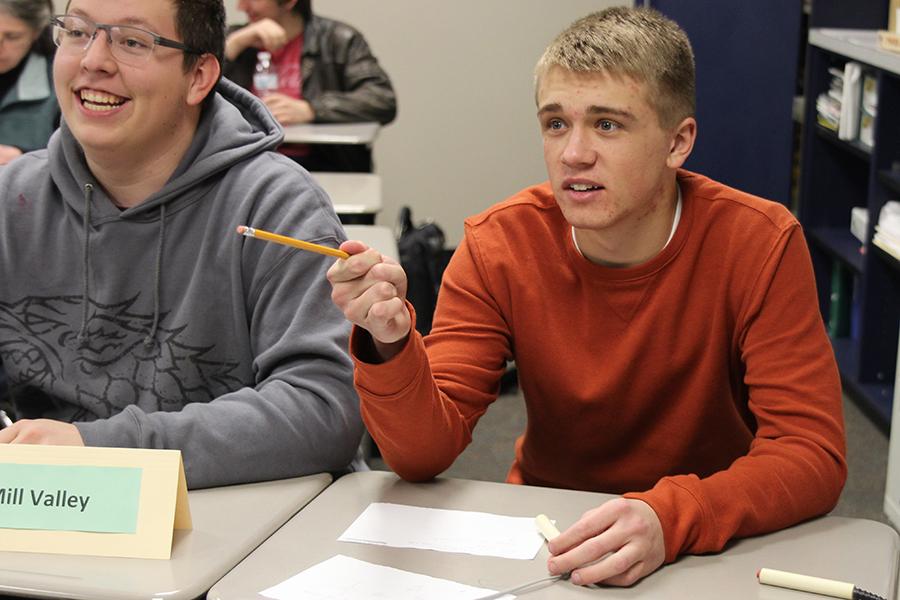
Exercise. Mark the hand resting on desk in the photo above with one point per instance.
(370, 289)
(41, 431)
(287, 110)
(617, 543)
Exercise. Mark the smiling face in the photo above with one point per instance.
(611, 164)
(111, 107)
(17, 38)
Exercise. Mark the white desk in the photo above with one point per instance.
(375, 236)
(229, 522)
(856, 550)
(354, 195)
(332, 133)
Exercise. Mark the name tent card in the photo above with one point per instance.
(69, 498)
(91, 501)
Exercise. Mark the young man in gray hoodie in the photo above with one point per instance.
(131, 313)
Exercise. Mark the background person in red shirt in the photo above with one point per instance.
(326, 74)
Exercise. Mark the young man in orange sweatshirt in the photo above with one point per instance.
(665, 327)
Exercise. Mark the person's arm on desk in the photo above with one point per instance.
(41, 431)
(289, 111)
(794, 469)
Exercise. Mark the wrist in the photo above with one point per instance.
(386, 351)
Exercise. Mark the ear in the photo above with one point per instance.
(682, 142)
(204, 76)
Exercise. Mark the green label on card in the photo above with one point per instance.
(69, 498)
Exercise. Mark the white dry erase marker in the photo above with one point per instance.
(815, 585)
(546, 527)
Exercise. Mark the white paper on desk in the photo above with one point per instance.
(467, 532)
(344, 578)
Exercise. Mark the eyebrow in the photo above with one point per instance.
(593, 109)
(133, 21)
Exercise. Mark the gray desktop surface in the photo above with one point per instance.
(229, 522)
(856, 550)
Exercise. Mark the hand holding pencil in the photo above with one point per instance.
(370, 289)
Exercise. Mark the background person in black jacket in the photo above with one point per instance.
(326, 74)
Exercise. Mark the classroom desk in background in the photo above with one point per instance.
(332, 133)
(855, 550)
(356, 196)
(229, 522)
(375, 236)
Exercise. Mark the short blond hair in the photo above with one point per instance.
(636, 42)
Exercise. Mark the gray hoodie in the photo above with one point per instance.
(159, 326)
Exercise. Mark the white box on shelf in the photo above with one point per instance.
(859, 222)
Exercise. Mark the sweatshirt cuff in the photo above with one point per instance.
(680, 515)
(119, 431)
(392, 376)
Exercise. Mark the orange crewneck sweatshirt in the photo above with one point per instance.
(701, 382)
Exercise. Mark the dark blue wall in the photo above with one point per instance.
(747, 55)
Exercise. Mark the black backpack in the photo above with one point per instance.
(422, 255)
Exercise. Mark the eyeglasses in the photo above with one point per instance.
(129, 45)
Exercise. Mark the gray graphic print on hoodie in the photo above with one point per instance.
(159, 327)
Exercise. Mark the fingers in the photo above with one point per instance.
(271, 35)
(8, 434)
(616, 543)
(287, 110)
(370, 289)
(41, 431)
(589, 525)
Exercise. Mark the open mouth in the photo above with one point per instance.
(100, 101)
(584, 187)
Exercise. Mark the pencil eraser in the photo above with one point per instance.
(241, 229)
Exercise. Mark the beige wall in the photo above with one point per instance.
(466, 135)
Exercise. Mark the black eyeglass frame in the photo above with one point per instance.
(157, 39)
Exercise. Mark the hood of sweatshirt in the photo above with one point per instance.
(232, 128)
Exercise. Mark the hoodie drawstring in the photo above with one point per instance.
(86, 269)
(85, 260)
(148, 341)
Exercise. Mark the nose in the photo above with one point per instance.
(98, 52)
(579, 150)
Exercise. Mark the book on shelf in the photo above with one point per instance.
(851, 96)
(868, 109)
(887, 230)
(859, 223)
(841, 291)
(828, 104)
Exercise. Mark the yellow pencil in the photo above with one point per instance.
(289, 241)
